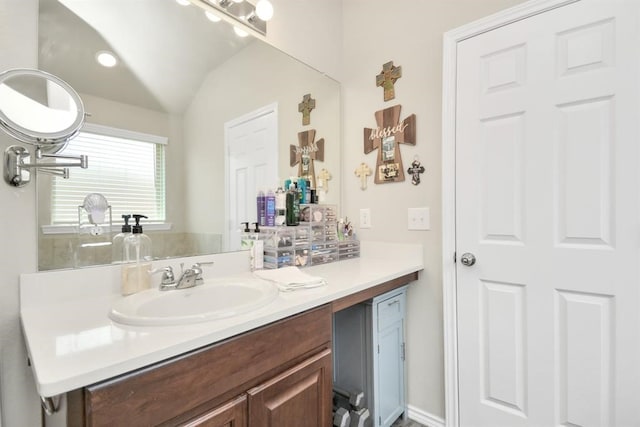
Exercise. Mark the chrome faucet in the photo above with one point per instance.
(188, 278)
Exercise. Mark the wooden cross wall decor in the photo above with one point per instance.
(362, 172)
(386, 138)
(387, 78)
(305, 108)
(323, 180)
(305, 153)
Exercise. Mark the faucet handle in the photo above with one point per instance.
(197, 268)
(200, 264)
(168, 278)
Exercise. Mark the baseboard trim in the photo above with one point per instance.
(425, 418)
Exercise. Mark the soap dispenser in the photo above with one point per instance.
(245, 237)
(117, 245)
(137, 260)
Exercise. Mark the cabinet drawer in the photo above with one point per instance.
(390, 310)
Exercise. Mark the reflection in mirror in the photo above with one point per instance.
(161, 114)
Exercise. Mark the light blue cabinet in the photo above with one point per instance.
(369, 354)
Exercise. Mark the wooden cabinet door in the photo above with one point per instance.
(231, 414)
(299, 397)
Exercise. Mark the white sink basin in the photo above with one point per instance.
(215, 299)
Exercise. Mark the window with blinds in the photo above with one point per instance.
(128, 168)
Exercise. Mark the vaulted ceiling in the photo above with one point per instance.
(165, 50)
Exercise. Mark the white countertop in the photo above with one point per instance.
(72, 342)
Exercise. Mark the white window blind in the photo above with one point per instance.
(123, 166)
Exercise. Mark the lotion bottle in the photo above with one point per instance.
(137, 260)
(256, 254)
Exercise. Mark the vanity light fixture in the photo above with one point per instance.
(240, 32)
(264, 10)
(227, 3)
(243, 15)
(183, 2)
(212, 16)
(106, 59)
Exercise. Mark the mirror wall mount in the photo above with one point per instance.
(40, 109)
(17, 167)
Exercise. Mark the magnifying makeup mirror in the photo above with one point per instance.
(42, 110)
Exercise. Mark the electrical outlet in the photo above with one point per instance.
(418, 219)
(365, 218)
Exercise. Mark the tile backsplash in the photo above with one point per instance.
(58, 251)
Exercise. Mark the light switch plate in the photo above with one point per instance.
(419, 219)
(365, 218)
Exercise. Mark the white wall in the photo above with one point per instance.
(18, 397)
(309, 30)
(409, 33)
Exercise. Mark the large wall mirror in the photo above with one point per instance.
(179, 81)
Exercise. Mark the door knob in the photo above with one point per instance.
(468, 259)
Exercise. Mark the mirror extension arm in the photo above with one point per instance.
(17, 170)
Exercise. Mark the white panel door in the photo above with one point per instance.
(252, 164)
(547, 189)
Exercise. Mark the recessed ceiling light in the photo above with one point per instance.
(106, 59)
(183, 2)
(212, 16)
(239, 32)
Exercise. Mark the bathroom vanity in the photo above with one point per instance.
(272, 366)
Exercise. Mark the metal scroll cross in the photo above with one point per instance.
(362, 172)
(305, 108)
(387, 78)
(305, 153)
(386, 138)
(415, 170)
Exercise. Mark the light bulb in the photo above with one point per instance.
(106, 59)
(239, 32)
(264, 10)
(212, 16)
(183, 2)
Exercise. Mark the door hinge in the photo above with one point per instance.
(378, 348)
(455, 258)
(379, 420)
(403, 351)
